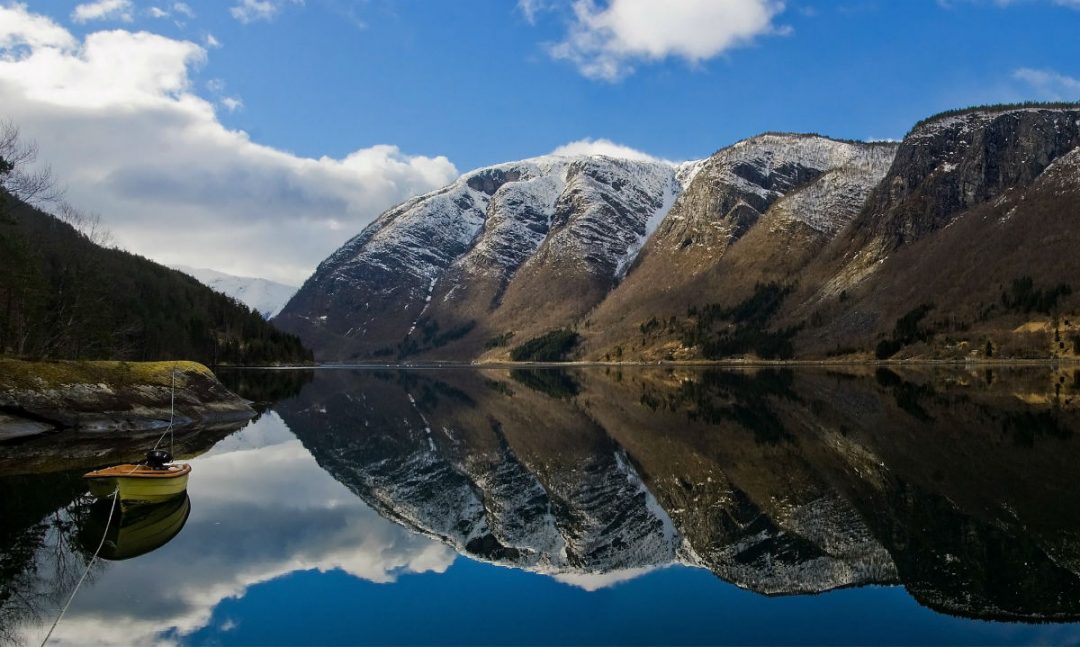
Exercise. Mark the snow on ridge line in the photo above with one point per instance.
(262, 295)
(444, 204)
(977, 118)
(429, 233)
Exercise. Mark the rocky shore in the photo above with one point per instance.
(106, 398)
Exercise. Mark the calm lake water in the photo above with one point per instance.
(591, 506)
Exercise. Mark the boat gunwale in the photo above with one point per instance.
(139, 472)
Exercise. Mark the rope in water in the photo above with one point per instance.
(89, 565)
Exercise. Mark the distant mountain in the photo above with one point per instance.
(957, 242)
(261, 295)
(64, 297)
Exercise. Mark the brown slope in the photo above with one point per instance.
(757, 212)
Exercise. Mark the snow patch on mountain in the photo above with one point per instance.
(264, 296)
(965, 122)
(833, 200)
(1065, 169)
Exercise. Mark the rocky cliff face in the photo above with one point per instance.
(625, 251)
(950, 164)
(974, 202)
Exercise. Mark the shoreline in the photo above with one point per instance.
(734, 363)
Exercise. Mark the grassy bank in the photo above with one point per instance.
(18, 374)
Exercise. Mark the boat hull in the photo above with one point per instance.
(138, 483)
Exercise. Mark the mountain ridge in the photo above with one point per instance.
(261, 295)
(628, 253)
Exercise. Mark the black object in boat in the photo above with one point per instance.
(158, 458)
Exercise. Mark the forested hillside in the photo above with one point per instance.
(62, 296)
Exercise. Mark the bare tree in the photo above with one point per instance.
(90, 225)
(18, 175)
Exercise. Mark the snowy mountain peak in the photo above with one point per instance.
(468, 245)
(264, 296)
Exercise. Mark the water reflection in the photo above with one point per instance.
(127, 530)
(780, 482)
(263, 509)
(960, 487)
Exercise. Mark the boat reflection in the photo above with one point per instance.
(132, 529)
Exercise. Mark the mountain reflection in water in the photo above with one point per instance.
(959, 486)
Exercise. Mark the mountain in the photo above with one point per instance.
(263, 296)
(64, 297)
(756, 213)
(979, 215)
(955, 242)
(463, 262)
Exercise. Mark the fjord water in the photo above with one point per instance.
(588, 506)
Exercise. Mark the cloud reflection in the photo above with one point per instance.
(261, 508)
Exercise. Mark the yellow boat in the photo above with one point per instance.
(154, 480)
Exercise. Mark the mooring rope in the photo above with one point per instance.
(169, 429)
(172, 415)
(89, 565)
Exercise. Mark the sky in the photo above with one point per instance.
(254, 137)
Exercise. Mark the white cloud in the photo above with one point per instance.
(248, 11)
(212, 43)
(183, 9)
(103, 10)
(19, 28)
(117, 116)
(232, 104)
(530, 8)
(603, 147)
(598, 581)
(178, 8)
(604, 43)
(1048, 85)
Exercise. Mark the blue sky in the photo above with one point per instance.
(483, 81)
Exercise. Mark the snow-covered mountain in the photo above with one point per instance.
(481, 248)
(264, 296)
(812, 243)
(451, 272)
